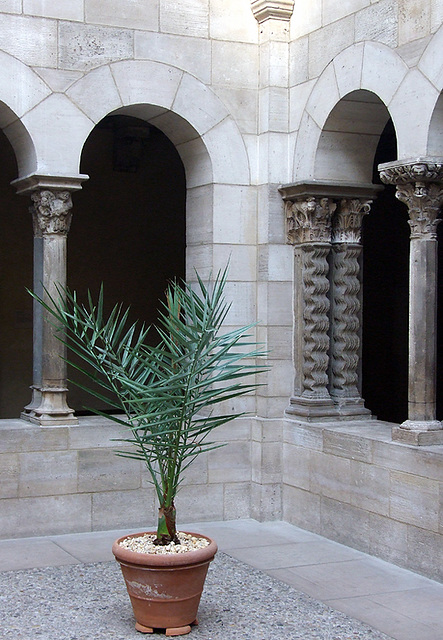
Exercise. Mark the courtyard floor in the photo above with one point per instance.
(258, 557)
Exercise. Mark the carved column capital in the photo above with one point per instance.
(51, 212)
(308, 220)
(277, 9)
(347, 221)
(420, 186)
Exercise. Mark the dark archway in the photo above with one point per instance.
(16, 264)
(386, 296)
(128, 228)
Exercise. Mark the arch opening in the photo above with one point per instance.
(128, 228)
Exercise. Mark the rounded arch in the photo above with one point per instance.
(187, 111)
(375, 68)
(21, 89)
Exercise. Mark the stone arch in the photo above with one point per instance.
(373, 68)
(21, 89)
(431, 66)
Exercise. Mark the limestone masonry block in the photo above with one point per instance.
(237, 500)
(84, 93)
(230, 463)
(336, 9)
(234, 218)
(347, 66)
(306, 18)
(321, 102)
(198, 104)
(414, 20)
(199, 226)
(84, 47)
(301, 508)
(146, 81)
(326, 43)
(378, 22)
(124, 509)
(31, 40)
(425, 552)
(135, 14)
(61, 9)
(200, 503)
(242, 104)
(45, 515)
(48, 473)
(341, 522)
(234, 64)
(102, 470)
(383, 71)
(414, 500)
(388, 539)
(9, 475)
(298, 56)
(242, 261)
(232, 20)
(370, 487)
(229, 159)
(297, 475)
(186, 17)
(330, 476)
(303, 435)
(347, 446)
(190, 54)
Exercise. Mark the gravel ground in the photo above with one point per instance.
(89, 602)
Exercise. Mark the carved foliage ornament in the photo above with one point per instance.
(308, 220)
(423, 201)
(347, 221)
(51, 212)
(412, 172)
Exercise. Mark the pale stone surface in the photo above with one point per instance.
(378, 22)
(31, 40)
(330, 476)
(414, 500)
(430, 62)
(306, 18)
(146, 81)
(135, 14)
(190, 505)
(425, 552)
(298, 69)
(128, 509)
(347, 446)
(185, 17)
(414, 20)
(230, 464)
(84, 93)
(9, 475)
(228, 154)
(197, 163)
(174, 126)
(190, 54)
(335, 9)
(61, 9)
(322, 101)
(44, 474)
(297, 475)
(11, 6)
(241, 258)
(301, 508)
(237, 500)
(101, 470)
(234, 64)
(232, 20)
(383, 71)
(340, 520)
(91, 46)
(233, 214)
(23, 97)
(370, 487)
(58, 79)
(242, 104)
(388, 538)
(325, 43)
(199, 225)
(198, 104)
(348, 66)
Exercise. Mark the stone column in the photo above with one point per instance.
(419, 185)
(345, 387)
(308, 221)
(51, 214)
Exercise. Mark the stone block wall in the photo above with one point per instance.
(354, 485)
(68, 479)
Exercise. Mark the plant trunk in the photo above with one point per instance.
(166, 531)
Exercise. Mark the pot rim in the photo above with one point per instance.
(165, 560)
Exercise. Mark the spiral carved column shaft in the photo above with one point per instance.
(420, 186)
(309, 230)
(346, 307)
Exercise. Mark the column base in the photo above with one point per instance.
(49, 408)
(416, 436)
(352, 408)
(312, 409)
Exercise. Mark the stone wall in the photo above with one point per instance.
(353, 485)
(67, 479)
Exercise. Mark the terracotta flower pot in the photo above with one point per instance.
(165, 589)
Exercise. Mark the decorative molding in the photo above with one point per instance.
(276, 9)
(51, 212)
(308, 220)
(347, 221)
(420, 186)
(34, 181)
(419, 170)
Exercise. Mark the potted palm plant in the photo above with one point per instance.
(164, 395)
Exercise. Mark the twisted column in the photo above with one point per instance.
(308, 224)
(346, 307)
(419, 185)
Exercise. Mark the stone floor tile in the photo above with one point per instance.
(427, 603)
(393, 623)
(90, 547)
(295, 554)
(32, 553)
